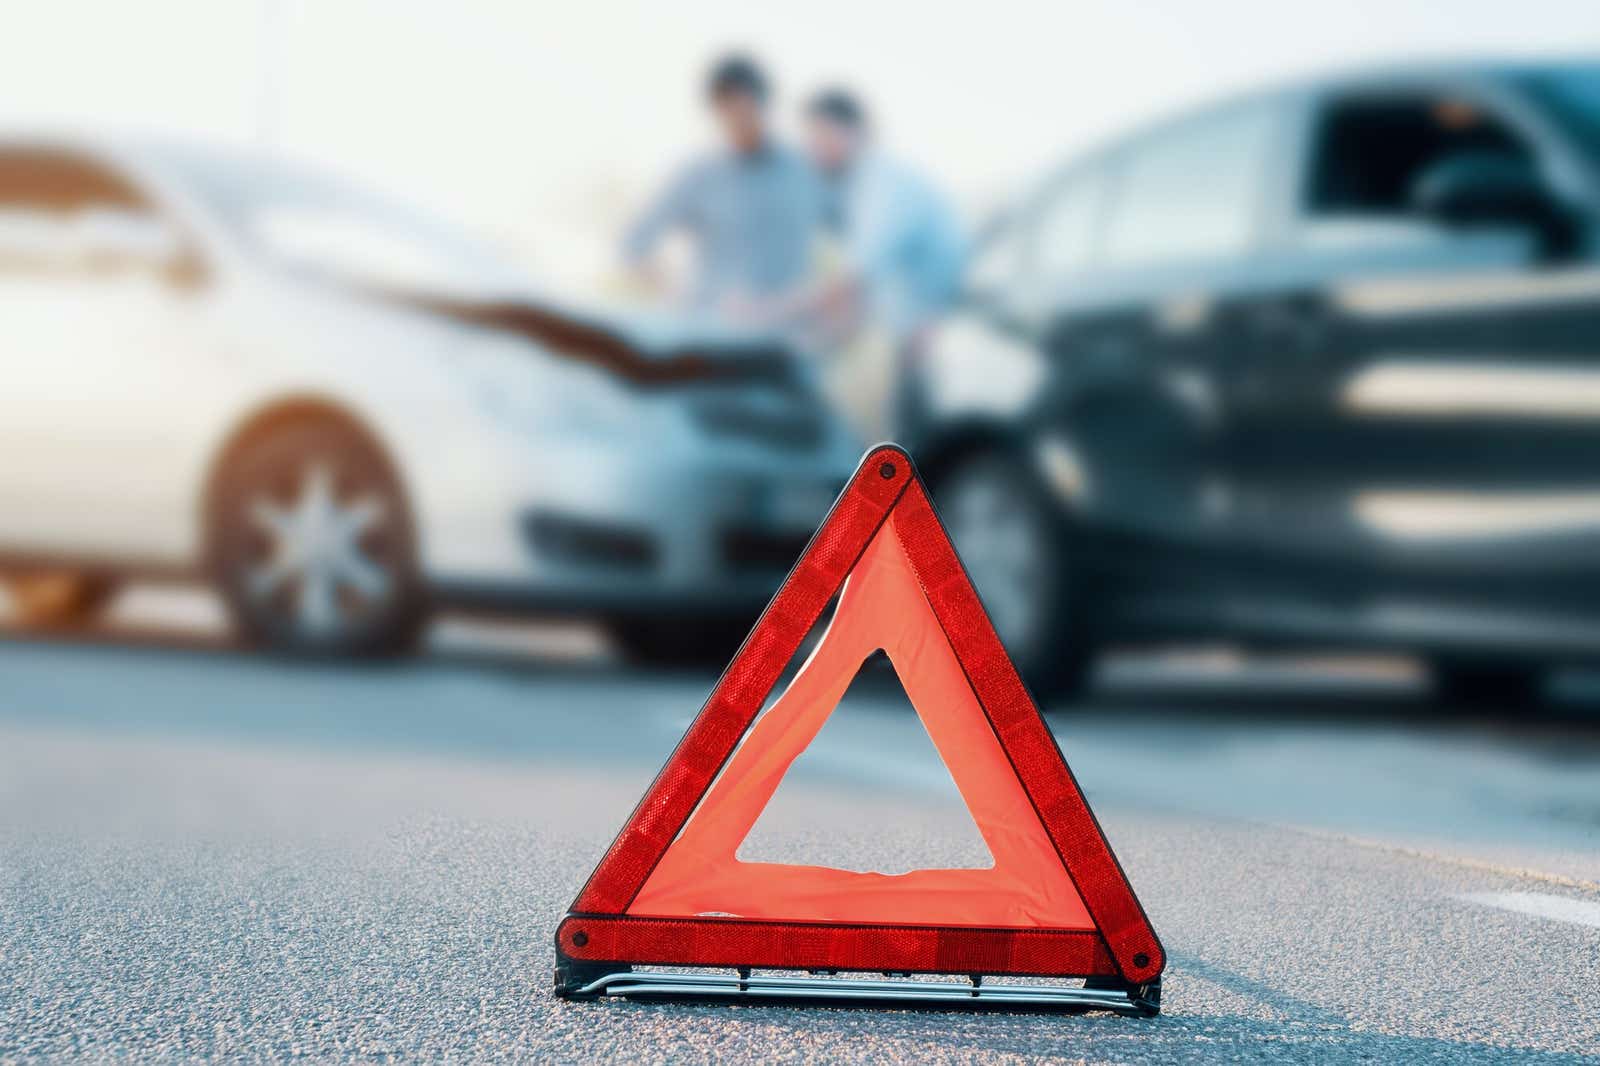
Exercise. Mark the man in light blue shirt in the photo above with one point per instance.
(904, 252)
(752, 208)
(904, 247)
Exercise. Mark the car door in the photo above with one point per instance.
(1136, 335)
(1415, 401)
(103, 363)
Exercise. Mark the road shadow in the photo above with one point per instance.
(1300, 1032)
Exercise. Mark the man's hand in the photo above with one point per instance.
(648, 278)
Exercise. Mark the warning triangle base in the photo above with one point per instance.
(974, 994)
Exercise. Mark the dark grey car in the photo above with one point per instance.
(1319, 365)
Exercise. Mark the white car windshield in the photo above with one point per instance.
(316, 225)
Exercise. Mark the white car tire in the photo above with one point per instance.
(312, 546)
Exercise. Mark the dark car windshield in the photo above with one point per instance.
(1572, 96)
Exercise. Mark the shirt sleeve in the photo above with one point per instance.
(874, 223)
(672, 207)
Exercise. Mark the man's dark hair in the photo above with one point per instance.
(838, 105)
(737, 73)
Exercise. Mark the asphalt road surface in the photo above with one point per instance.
(207, 855)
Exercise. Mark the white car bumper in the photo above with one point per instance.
(617, 527)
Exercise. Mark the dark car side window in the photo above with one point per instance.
(1368, 153)
(1068, 222)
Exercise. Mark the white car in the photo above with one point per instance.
(344, 414)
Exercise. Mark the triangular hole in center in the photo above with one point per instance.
(875, 744)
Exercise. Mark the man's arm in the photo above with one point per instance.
(670, 208)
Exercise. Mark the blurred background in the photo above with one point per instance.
(407, 408)
(1259, 326)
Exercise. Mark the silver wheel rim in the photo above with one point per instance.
(1001, 542)
(315, 556)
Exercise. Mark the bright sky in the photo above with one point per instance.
(543, 123)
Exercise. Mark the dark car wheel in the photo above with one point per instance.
(1014, 545)
(312, 545)
(1501, 686)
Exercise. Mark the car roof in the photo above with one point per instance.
(123, 144)
(1483, 68)
(1374, 78)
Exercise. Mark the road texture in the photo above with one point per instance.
(205, 855)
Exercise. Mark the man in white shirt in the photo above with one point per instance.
(903, 246)
(903, 256)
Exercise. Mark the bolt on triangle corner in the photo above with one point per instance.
(670, 891)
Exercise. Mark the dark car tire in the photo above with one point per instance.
(60, 600)
(378, 616)
(1506, 686)
(1050, 641)
(681, 642)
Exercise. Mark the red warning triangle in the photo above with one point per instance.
(671, 890)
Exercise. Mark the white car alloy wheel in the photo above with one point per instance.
(316, 554)
(312, 545)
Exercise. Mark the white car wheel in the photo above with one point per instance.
(313, 546)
